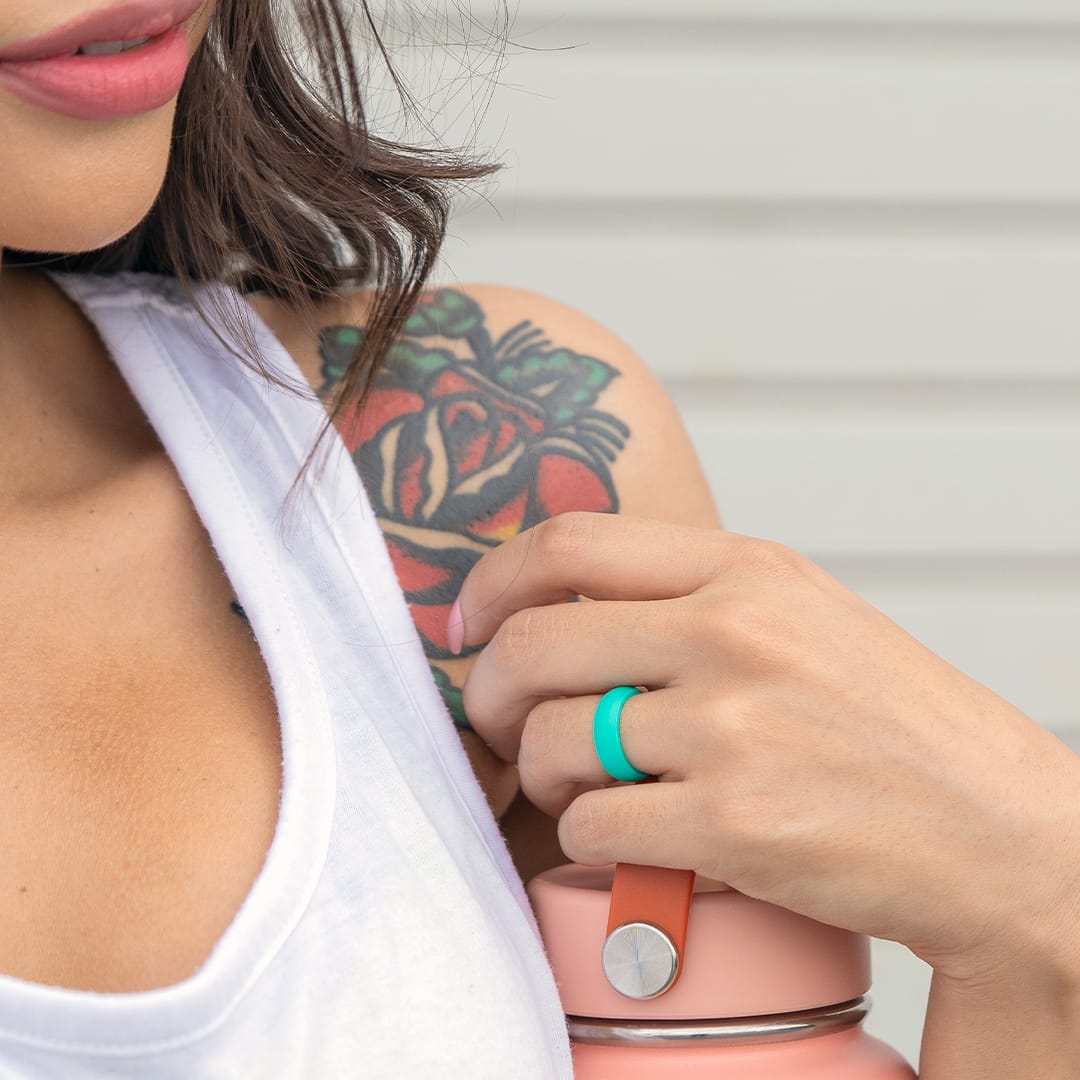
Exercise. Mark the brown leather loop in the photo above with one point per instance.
(656, 895)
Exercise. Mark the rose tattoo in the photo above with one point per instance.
(463, 442)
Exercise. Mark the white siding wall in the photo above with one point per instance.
(846, 233)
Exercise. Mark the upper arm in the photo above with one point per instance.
(654, 471)
(497, 408)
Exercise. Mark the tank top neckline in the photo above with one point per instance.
(120, 308)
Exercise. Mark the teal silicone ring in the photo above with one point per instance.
(605, 731)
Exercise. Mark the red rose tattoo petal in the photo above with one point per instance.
(431, 621)
(411, 486)
(382, 407)
(415, 575)
(503, 524)
(463, 442)
(450, 382)
(473, 453)
(564, 483)
(505, 437)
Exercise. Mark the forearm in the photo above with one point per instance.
(1025, 1024)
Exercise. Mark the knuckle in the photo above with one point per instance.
(774, 560)
(711, 621)
(565, 537)
(552, 801)
(520, 636)
(755, 628)
(470, 702)
(539, 739)
(747, 824)
(474, 703)
(727, 820)
(703, 808)
(581, 828)
(749, 619)
(681, 619)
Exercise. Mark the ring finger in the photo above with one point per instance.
(557, 759)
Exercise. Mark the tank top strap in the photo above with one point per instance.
(388, 917)
(237, 438)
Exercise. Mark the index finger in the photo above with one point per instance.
(601, 556)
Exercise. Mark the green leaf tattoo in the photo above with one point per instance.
(452, 696)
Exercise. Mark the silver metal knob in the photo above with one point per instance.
(639, 960)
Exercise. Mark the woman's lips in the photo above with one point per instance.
(109, 86)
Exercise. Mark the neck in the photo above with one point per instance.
(67, 418)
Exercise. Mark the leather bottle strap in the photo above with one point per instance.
(656, 895)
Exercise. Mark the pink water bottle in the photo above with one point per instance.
(688, 980)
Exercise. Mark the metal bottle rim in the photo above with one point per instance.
(740, 1031)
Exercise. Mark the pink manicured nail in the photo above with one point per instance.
(455, 629)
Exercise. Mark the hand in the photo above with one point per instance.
(810, 752)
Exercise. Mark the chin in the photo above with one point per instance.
(72, 186)
(59, 237)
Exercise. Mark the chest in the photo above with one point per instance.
(140, 751)
(138, 733)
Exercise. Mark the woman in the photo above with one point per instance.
(243, 837)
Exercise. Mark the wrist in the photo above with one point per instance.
(1032, 918)
(1023, 1022)
(1031, 930)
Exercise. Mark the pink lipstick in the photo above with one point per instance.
(104, 65)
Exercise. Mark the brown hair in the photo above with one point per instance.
(275, 182)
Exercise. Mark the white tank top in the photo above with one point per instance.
(387, 934)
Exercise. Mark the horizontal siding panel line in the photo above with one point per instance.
(871, 486)
(793, 124)
(888, 11)
(963, 571)
(1017, 36)
(931, 395)
(648, 214)
(884, 10)
(808, 307)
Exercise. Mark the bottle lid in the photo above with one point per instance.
(743, 957)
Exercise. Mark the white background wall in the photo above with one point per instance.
(846, 234)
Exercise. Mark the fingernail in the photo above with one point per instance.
(455, 629)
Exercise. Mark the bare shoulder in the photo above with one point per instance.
(589, 384)
(495, 409)
(569, 386)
